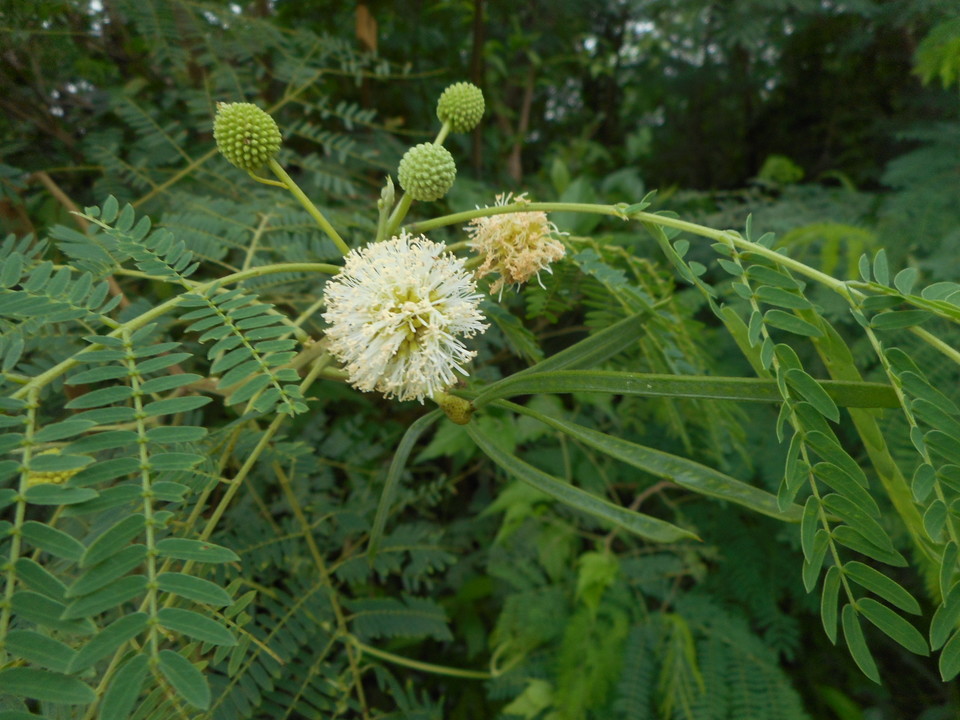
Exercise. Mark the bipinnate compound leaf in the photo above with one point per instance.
(124, 688)
(195, 550)
(638, 523)
(45, 686)
(857, 644)
(193, 588)
(185, 679)
(108, 640)
(893, 625)
(196, 626)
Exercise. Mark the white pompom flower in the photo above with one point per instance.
(397, 312)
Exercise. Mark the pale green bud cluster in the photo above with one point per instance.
(427, 172)
(246, 135)
(461, 105)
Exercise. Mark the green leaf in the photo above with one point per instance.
(50, 494)
(950, 659)
(782, 298)
(394, 474)
(114, 594)
(108, 640)
(828, 449)
(593, 350)
(62, 430)
(58, 463)
(831, 475)
(828, 602)
(893, 625)
(879, 584)
(171, 406)
(923, 481)
(176, 434)
(185, 679)
(40, 609)
(113, 540)
(769, 276)
(811, 391)
(643, 525)
(108, 570)
(851, 538)
(38, 578)
(945, 618)
(193, 588)
(166, 383)
(934, 520)
(56, 542)
(851, 513)
(196, 626)
(896, 319)
(195, 550)
(808, 525)
(812, 567)
(791, 323)
(101, 397)
(881, 270)
(853, 634)
(905, 280)
(947, 567)
(124, 689)
(684, 472)
(108, 440)
(46, 686)
(39, 649)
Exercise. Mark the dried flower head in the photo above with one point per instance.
(516, 245)
(396, 313)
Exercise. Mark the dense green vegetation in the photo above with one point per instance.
(710, 468)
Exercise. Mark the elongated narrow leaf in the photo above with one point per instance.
(791, 323)
(585, 354)
(950, 659)
(195, 550)
(853, 634)
(108, 640)
(113, 540)
(812, 567)
(114, 594)
(687, 473)
(828, 602)
(643, 525)
(108, 570)
(40, 649)
(46, 686)
(49, 494)
(399, 462)
(195, 625)
(124, 689)
(813, 392)
(53, 541)
(853, 539)
(185, 679)
(945, 618)
(893, 625)
(193, 588)
(879, 584)
(40, 609)
(845, 394)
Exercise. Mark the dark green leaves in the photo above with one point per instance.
(643, 525)
(195, 550)
(196, 626)
(46, 686)
(185, 679)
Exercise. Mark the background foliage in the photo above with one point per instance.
(231, 536)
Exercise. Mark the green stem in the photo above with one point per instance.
(309, 206)
(398, 214)
(442, 135)
(425, 667)
(33, 404)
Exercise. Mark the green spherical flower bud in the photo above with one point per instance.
(427, 172)
(245, 135)
(461, 105)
